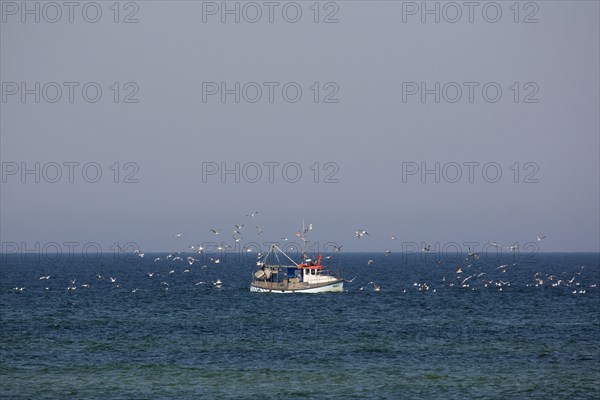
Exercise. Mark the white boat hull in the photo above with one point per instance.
(335, 286)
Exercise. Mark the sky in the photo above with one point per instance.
(435, 122)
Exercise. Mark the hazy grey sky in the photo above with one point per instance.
(370, 130)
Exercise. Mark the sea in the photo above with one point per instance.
(465, 327)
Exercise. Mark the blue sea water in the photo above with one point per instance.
(429, 333)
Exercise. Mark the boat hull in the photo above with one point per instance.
(268, 287)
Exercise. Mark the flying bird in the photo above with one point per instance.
(361, 232)
(197, 248)
(191, 260)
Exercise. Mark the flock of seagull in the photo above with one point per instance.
(465, 276)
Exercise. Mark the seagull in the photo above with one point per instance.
(387, 253)
(18, 289)
(238, 227)
(171, 271)
(284, 239)
(376, 287)
(134, 290)
(252, 215)
(157, 259)
(472, 254)
(540, 238)
(150, 274)
(44, 277)
(191, 260)
(393, 237)
(260, 230)
(337, 248)
(369, 262)
(361, 232)
(197, 248)
(178, 235)
(223, 247)
(350, 281)
(215, 231)
(513, 247)
(426, 248)
(495, 244)
(139, 253)
(112, 280)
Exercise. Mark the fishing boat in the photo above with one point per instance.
(306, 277)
